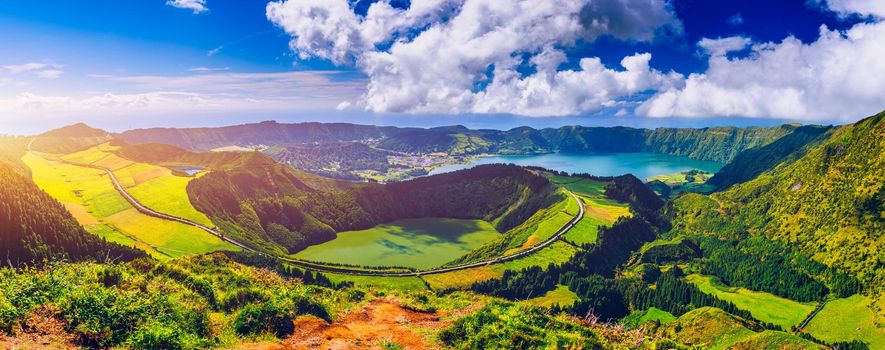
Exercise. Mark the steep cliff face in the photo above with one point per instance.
(754, 161)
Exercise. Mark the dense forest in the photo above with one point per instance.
(35, 227)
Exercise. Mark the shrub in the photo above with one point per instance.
(110, 276)
(156, 336)
(244, 296)
(99, 316)
(256, 319)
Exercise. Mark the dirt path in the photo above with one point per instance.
(382, 322)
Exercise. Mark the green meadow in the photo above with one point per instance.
(652, 314)
(766, 307)
(417, 243)
(90, 196)
(561, 296)
(400, 283)
(847, 319)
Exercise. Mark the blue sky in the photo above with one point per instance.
(121, 64)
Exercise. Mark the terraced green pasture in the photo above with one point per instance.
(763, 306)
(401, 283)
(847, 319)
(90, 196)
(417, 243)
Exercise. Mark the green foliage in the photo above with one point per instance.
(508, 326)
(268, 317)
(147, 305)
(754, 161)
(820, 203)
(756, 263)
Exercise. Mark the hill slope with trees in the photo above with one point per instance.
(35, 227)
(828, 203)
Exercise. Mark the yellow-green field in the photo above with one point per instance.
(89, 195)
(417, 243)
(598, 210)
(557, 253)
(561, 296)
(847, 319)
(402, 283)
(763, 306)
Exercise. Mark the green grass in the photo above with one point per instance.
(763, 306)
(847, 319)
(170, 238)
(417, 243)
(652, 314)
(585, 231)
(401, 283)
(168, 194)
(104, 212)
(561, 296)
(557, 253)
(585, 187)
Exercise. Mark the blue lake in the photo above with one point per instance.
(640, 164)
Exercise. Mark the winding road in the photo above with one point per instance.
(317, 267)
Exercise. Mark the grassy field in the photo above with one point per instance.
(90, 196)
(167, 194)
(561, 296)
(598, 210)
(763, 306)
(402, 283)
(418, 243)
(640, 317)
(847, 319)
(556, 253)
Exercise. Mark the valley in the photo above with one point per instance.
(669, 253)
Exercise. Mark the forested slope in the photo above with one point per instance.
(34, 227)
(754, 161)
(829, 203)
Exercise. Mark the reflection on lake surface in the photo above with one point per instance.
(641, 164)
(188, 169)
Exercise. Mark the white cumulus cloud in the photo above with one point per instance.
(198, 6)
(481, 56)
(838, 76)
(874, 8)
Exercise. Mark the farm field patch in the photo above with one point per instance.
(91, 197)
(846, 319)
(766, 307)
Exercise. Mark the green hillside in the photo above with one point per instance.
(34, 227)
(829, 203)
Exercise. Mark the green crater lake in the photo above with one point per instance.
(641, 164)
(419, 243)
